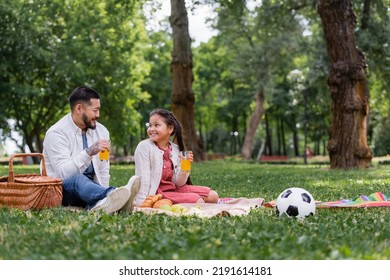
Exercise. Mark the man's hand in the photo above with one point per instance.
(100, 145)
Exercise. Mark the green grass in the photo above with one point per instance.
(330, 234)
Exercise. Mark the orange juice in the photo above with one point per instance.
(104, 155)
(185, 165)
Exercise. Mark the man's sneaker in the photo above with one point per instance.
(113, 202)
(133, 186)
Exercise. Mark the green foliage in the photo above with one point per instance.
(221, 100)
(381, 138)
(261, 47)
(158, 84)
(255, 51)
(330, 234)
(50, 47)
(372, 36)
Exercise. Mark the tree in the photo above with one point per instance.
(212, 125)
(382, 138)
(158, 84)
(373, 37)
(50, 47)
(347, 144)
(182, 77)
(261, 41)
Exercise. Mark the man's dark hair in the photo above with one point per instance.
(83, 95)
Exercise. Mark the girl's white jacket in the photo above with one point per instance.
(149, 165)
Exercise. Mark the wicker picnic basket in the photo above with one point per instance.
(30, 191)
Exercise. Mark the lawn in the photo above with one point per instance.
(330, 234)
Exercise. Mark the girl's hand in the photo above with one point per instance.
(190, 156)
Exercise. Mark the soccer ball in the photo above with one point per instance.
(295, 202)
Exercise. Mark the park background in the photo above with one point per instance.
(258, 86)
(268, 63)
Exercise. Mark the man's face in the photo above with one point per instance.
(91, 114)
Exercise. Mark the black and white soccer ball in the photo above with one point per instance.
(295, 202)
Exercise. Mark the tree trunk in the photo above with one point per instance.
(254, 123)
(296, 142)
(182, 77)
(261, 150)
(317, 147)
(283, 138)
(279, 136)
(366, 14)
(347, 144)
(234, 134)
(268, 137)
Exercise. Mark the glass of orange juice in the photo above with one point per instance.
(185, 163)
(104, 155)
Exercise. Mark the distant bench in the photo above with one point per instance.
(266, 158)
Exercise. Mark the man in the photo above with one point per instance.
(71, 149)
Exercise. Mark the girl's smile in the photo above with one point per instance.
(158, 130)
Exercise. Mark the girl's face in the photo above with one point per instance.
(158, 130)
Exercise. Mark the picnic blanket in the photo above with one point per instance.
(376, 199)
(231, 207)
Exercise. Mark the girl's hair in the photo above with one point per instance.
(177, 133)
(170, 119)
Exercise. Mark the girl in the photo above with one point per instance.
(157, 162)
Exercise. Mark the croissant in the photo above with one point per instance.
(157, 197)
(162, 202)
(150, 200)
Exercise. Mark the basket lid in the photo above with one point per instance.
(36, 179)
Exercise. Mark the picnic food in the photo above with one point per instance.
(162, 202)
(165, 208)
(176, 208)
(150, 200)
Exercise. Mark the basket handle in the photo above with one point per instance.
(11, 173)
